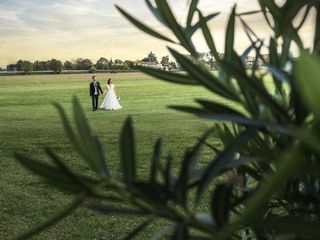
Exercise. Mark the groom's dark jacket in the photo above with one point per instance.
(92, 88)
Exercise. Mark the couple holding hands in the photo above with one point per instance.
(110, 101)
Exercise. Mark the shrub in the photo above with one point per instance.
(93, 70)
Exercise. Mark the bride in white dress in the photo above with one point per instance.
(110, 101)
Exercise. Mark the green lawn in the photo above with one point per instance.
(29, 122)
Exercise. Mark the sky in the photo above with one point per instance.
(68, 29)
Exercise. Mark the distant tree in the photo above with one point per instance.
(102, 64)
(87, 64)
(151, 58)
(83, 64)
(45, 65)
(165, 61)
(78, 64)
(41, 65)
(118, 61)
(55, 65)
(19, 65)
(68, 65)
(110, 63)
(37, 66)
(12, 67)
(26, 67)
(128, 65)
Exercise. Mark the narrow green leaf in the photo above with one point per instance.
(236, 118)
(66, 171)
(127, 148)
(241, 161)
(52, 220)
(282, 24)
(250, 33)
(229, 42)
(221, 160)
(151, 192)
(155, 161)
(137, 230)
(248, 13)
(167, 175)
(155, 12)
(302, 228)
(285, 54)
(163, 232)
(289, 164)
(279, 76)
(208, 37)
(168, 16)
(265, 12)
(316, 40)
(218, 108)
(94, 152)
(70, 133)
(192, 110)
(203, 76)
(142, 26)
(116, 211)
(307, 74)
(288, 12)
(192, 9)
(271, 6)
(169, 76)
(257, 89)
(181, 232)
(197, 26)
(101, 156)
(189, 159)
(273, 52)
(50, 173)
(221, 203)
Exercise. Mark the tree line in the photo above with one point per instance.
(57, 66)
(103, 64)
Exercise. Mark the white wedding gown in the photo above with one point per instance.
(110, 101)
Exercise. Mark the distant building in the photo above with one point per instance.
(149, 61)
(147, 64)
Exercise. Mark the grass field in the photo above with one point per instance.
(29, 122)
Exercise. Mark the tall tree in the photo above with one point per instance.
(165, 61)
(151, 58)
(19, 65)
(68, 65)
(128, 64)
(55, 65)
(37, 66)
(83, 64)
(102, 64)
(87, 64)
(118, 61)
(26, 67)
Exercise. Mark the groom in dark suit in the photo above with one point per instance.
(95, 91)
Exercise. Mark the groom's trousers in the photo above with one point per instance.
(95, 100)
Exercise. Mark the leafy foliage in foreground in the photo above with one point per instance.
(270, 155)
